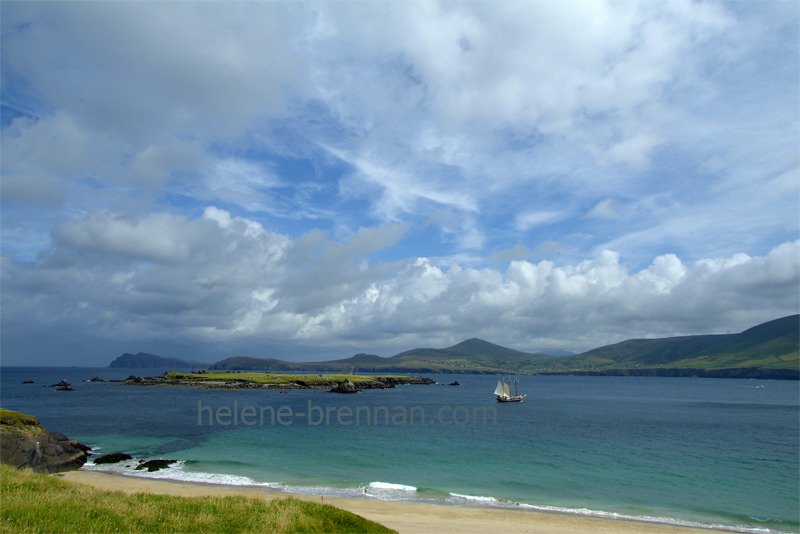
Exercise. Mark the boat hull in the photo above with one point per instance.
(512, 398)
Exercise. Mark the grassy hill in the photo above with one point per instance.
(473, 355)
(35, 502)
(769, 350)
(470, 355)
(772, 345)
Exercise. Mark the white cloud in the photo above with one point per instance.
(526, 221)
(633, 150)
(155, 238)
(225, 279)
(239, 182)
(605, 209)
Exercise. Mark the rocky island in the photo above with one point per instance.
(252, 380)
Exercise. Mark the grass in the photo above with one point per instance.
(274, 378)
(10, 418)
(33, 502)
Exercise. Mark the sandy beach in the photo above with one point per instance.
(401, 516)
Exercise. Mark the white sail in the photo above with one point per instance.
(499, 390)
(506, 389)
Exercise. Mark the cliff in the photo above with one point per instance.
(24, 443)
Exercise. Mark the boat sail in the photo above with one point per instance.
(503, 391)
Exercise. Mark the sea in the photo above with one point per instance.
(721, 454)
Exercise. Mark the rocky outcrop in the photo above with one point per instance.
(62, 386)
(113, 458)
(155, 465)
(24, 443)
(345, 386)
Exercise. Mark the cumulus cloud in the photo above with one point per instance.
(221, 278)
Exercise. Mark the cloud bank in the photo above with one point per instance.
(229, 282)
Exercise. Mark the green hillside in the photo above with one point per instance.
(472, 354)
(769, 350)
(772, 345)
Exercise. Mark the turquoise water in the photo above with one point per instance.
(704, 452)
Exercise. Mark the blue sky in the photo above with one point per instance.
(310, 180)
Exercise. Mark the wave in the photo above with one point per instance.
(390, 486)
(398, 492)
(177, 472)
(476, 498)
(460, 499)
(642, 518)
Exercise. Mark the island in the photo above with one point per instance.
(255, 380)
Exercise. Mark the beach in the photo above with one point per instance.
(404, 517)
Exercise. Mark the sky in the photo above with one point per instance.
(311, 180)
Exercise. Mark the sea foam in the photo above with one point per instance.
(177, 472)
(390, 486)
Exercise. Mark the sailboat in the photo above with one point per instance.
(503, 391)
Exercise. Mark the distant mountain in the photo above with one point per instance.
(144, 360)
(472, 355)
(769, 350)
(255, 364)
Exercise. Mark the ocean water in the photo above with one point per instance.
(713, 453)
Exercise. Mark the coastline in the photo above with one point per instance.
(405, 517)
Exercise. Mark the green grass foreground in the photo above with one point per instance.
(34, 502)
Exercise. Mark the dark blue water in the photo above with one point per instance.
(705, 452)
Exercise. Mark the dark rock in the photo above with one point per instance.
(24, 443)
(155, 465)
(96, 379)
(85, 448)
(345, 387)
(27, 381)
(113, 458)
(455, 383)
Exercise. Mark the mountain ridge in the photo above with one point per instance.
(766, 350)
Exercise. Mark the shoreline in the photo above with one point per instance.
(405, 517)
